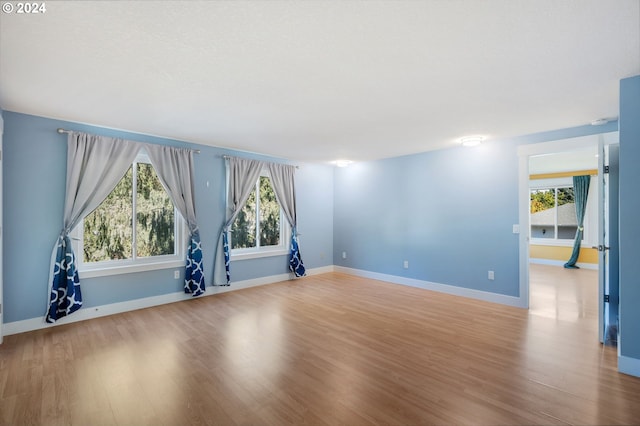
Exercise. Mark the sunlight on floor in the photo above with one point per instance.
(563, 294)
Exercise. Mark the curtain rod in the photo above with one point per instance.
(61, 131)
(226, 157)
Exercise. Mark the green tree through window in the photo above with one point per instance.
(553, 213)
(109, 230)
(259, 222)
(542, 199)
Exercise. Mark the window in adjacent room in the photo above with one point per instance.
(136, 226)
(553, 213)
(260, 228)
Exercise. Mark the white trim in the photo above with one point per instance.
(131, 268)
(83, 314)
(263, 251)
(524, 199)
(560, 145)
(551, 262)
(321, 270)
(628, 365)
(556, 242)
(441, 288)
(131, 305)
(257, 253)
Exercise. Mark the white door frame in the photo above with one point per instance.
(524, 152)
(603, 256)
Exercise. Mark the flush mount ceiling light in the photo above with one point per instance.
(342, 163)
(599, 122)
(471, 140)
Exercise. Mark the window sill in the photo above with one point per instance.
(129, 269)
(550, 242)
(258, 254)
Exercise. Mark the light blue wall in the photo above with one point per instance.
(33, 185)
(449, 213)
(630, 218)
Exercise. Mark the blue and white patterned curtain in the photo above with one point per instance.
(282, 178)
(580, 192)
(242, 175)
(95, 165)
(174, 167)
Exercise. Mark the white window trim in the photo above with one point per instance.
(555, 242)
(244, 254)
(257, 252)
(128, 266)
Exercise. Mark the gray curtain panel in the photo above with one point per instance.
(242, 175)
(283, 185)
(282, 178)
(174, 167)
(95, 165)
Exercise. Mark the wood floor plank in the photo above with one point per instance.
(326, 350)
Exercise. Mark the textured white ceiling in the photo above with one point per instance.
(319, 80)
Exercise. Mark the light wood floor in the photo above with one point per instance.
(565, 294)
(327, 349)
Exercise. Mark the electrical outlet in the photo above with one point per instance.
(491, 275)
(405, 264)
(176, 274)
(344, 254)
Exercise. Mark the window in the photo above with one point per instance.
(108, 240)
(553, 213)
(259, 228)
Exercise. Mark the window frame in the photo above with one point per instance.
(267, 251)
(125, 266)
(591, 212)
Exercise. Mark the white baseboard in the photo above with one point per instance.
(147, 302)
(629, 365)
(442, 288)
(561, 263)
(626, 365)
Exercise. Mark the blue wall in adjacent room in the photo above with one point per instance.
(449, 213)
(629, 344)
(34, 189)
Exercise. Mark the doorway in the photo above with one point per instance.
(554, 291)
(546, 288)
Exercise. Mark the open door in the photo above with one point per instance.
(608, 281)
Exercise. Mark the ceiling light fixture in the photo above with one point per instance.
(599, 122)
(469, 141)
(342, 163)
